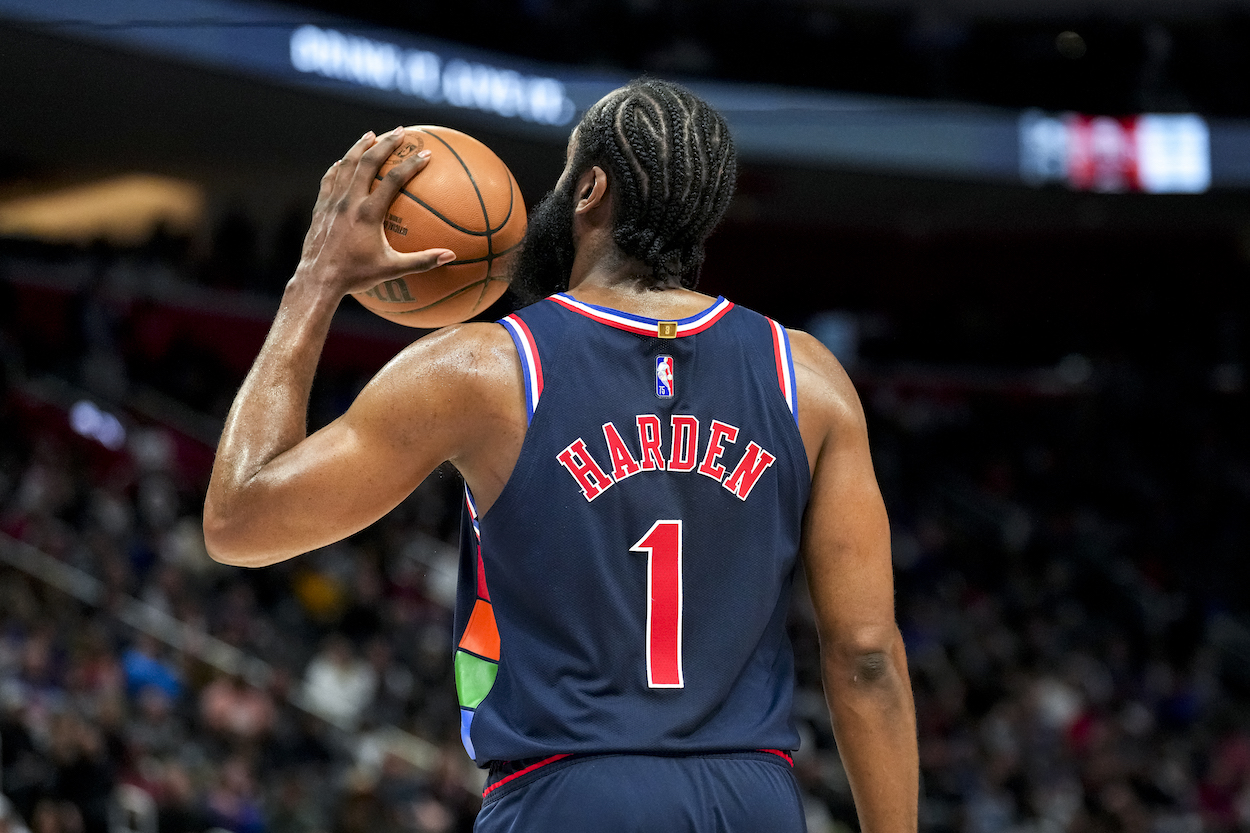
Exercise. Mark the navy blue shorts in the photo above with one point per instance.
(741, 792)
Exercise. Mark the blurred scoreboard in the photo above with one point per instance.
(1157, 154)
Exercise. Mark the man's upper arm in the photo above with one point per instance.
(424, 407)
(846, 535)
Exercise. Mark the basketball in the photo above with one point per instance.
(466, 200)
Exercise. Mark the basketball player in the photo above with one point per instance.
(645, 467)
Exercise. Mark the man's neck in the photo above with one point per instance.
(629, 293)
(604, 275)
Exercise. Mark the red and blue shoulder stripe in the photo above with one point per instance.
(531, 363)
(785, 367)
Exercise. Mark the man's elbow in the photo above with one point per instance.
(871, 667)
(872, 658)
(226, 542)
(217, 542)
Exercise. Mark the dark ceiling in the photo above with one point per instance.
(73, 111)
(1094, 56)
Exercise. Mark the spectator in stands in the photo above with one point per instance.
(83, 775)
(232, 802)
(144, 666)
(180, 807)
(236, 710)
(338, 684)
(155, 729)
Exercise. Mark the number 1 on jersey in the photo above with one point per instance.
(662, 544)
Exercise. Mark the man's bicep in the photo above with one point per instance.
(415, 414)
(347, 475)
(353, 471)
(846, 534)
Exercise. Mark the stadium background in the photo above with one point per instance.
(1054, 377)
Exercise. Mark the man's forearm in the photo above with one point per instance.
(262, 504)
(874, 721)
(269, 414)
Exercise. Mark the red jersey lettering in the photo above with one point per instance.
(649, 442)
(623, 463)
(685, 448)
(589, 476)
(721, 434)
(745, 475)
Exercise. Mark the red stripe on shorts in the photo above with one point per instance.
(521, 772)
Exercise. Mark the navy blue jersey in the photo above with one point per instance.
(628, 589)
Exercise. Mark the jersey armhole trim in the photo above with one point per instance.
(531, 363)
(785, 367)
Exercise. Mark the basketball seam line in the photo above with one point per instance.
(439, 215)
(480, 200)
(491, 257)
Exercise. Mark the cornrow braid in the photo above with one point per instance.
(672, 168)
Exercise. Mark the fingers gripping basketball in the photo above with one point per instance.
(464, 199)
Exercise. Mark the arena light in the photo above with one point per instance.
(125, 210)
(91, 422)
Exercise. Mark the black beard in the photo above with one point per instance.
(545, 259)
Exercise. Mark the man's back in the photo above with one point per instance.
(649, 172)
(634, 574)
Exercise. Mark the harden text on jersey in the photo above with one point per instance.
(679, 454)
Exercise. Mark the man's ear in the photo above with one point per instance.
(591, 191)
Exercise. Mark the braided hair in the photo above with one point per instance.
(672, 167)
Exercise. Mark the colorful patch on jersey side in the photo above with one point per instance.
(474, 678)
(780, 753)
(483, 591)
(531, 364)
(664, 377)
(477, 655)
(647, 326)
(785, 367)
(466, 733)
(481, 634)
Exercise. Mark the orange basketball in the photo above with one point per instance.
(466, 200)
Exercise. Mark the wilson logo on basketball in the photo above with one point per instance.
(395, 291)
(410, 148)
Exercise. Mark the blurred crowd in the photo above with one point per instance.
(1070, 572)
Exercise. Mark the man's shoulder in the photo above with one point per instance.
(825, 389)
(464, 354)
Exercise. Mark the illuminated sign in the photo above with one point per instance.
(426, 75)
(1158, 154)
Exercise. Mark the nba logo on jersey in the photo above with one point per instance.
(664, 377)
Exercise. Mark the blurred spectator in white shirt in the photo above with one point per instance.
(339, 684)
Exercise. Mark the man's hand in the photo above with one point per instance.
(346, 249)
